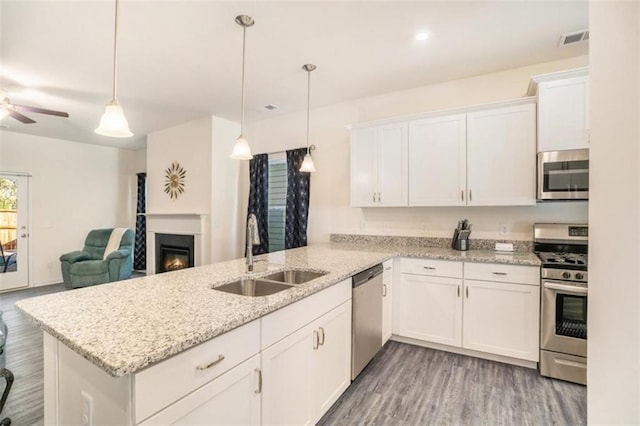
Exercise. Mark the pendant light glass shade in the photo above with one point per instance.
(241, 149)
(113, 122)
(307, 163)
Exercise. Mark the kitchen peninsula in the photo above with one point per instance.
(140, 335)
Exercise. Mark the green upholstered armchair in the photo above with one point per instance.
(92, 266)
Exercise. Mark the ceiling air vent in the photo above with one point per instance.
(575, 37)
(270, 107)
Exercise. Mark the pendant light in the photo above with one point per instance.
(241, 149)
(113, 122)
(307, 163)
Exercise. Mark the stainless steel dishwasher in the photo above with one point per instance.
(366, 328)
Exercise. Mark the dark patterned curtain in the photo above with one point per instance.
(295, 227)
(140, 246)
(259, 199)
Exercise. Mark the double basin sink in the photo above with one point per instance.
(270, 284)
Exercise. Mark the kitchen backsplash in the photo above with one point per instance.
(476, 244)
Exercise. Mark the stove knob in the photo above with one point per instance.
(566, 275)
(579, 276)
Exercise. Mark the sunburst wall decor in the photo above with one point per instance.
(174, 180)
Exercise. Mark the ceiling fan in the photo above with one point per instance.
(13, 110)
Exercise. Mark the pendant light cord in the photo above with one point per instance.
(308, 104)
(115, 54)
(244, 43)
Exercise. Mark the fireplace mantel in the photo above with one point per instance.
(196, 224)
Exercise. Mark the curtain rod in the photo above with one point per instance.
(311, 148)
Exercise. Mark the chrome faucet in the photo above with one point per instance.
(253, 239)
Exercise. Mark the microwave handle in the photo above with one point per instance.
(566, 288)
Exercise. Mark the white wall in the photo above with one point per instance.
(190, 145)
(75, 188)
(614, 242)
(226, 224)
(329, 204)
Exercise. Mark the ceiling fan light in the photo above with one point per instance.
(241, 149)
(307, 164)
(113, 122)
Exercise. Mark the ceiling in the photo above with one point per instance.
(181, 60)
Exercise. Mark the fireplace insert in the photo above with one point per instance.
(174, 252)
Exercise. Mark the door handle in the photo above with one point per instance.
(458, 290)
(374, 197)
(466, 290)
(316, 341)
(470, 196)
(321, 342)
(24, 235)
(569, 289)
(259, 373)
(379, 194)
(384, 290)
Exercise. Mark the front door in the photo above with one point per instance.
(14, 231)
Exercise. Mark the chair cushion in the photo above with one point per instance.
(90, 268)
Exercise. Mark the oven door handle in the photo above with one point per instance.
(566, 288)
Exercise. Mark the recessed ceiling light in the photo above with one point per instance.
(422, 36)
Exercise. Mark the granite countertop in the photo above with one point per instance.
(125, 326)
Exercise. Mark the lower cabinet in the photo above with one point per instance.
(387, 300)
(306, 372)
(502, 318)
(231, 399)
(495, 309)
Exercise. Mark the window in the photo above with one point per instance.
(277, 201)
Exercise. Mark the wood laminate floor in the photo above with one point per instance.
(410, 385)
(25, 405)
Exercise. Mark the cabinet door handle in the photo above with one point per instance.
(259, 373)
(379, 194)
(322, 336)
(458, 290)
(499, 273)
(430, 268)
(211, 364)
(316, 341)
(384, 290)
(374, 197)
(462, 195)
(467, 291)
(470, 196)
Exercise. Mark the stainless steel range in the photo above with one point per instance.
(562, 248)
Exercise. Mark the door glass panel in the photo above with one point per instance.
(571, 316)
(566, 176)
(8, 225)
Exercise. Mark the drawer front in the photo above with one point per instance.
(432, 267)
(499, 272)
(281, 323)
(162, 384)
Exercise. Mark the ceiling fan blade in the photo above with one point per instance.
(42, 110)
(23, 118)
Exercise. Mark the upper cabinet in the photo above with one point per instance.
(501, 156)
(563, 109)
(379, 166)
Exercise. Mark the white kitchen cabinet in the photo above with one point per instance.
(502, 318)
(437, 161)
(232, 399)
(387, 300)
(379, 166)
(501, 156)
(563, 110)
(305, 373)
(494, 309)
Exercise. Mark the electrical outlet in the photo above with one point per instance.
(87, 409)
(505, 228)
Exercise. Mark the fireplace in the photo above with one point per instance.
(174, 252)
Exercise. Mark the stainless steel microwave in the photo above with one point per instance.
(563, 175)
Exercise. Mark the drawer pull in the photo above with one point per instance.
(321, 338)
(388, 268)
(384, 290)
(499, 273)
(430, 268)
(259, 372)
(211, 364)
(316, 340)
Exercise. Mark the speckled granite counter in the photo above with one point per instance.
(123, 327)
